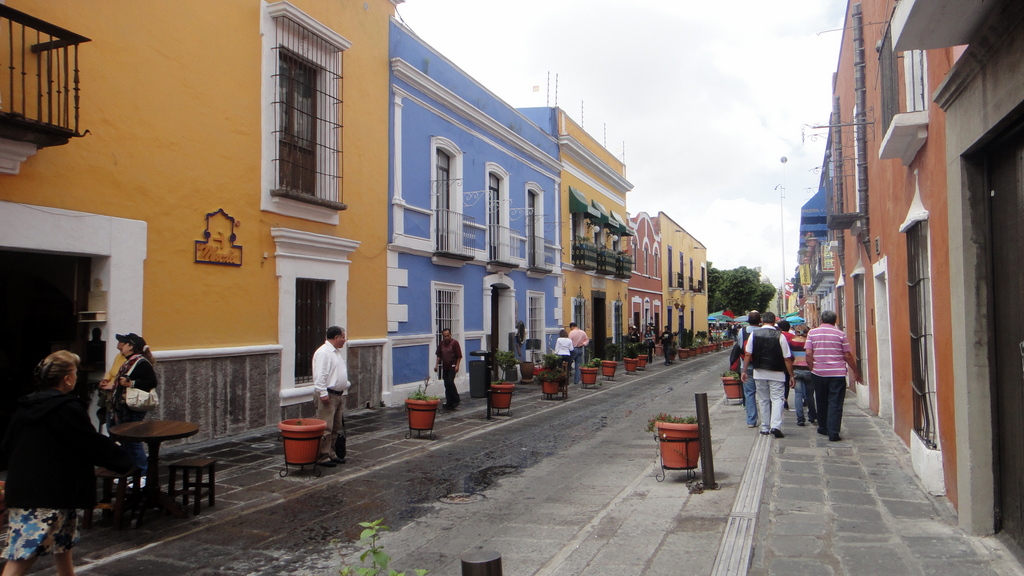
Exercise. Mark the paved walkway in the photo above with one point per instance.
(796, 505)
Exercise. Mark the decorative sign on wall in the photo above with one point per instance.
(218, 246)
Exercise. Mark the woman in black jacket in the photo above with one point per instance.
(136, 372)
(52, 448)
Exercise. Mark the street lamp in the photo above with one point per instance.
(782, 220)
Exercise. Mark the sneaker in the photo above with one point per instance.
(327, 464)
(765, 432)
(800, 423)
(778, 433)
(751, 425)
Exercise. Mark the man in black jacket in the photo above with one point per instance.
(767, 351)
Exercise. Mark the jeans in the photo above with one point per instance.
(749, 398)
(650, 351)
(577, 363)
(451, 393)
(830, 392)
(769, 400)
(804, 391)
(134, 449)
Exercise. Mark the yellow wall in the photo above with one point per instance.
(674, 235)
(170, 94)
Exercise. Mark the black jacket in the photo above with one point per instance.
(767, 353)
(52, 448)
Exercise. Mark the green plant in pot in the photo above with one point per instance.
(632, 350)
(669, 418)
(678, 443)
(508, 362)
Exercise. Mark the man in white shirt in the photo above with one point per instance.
(330, 386)
(767, 350)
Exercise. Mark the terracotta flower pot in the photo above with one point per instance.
(527, 369)
(641, 362)
(501, 395)
(588, 376)
(733, 388)
(549, 387)
(631, 364)
(608, 368)
(301, 438)
(676, 452)
(421, 413)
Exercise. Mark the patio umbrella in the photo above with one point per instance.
(740, 319)
(794, 320)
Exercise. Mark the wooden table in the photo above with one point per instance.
(153, 433)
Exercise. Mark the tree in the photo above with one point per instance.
(739, 290)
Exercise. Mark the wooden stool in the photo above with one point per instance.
(111, 501)
(190, 487)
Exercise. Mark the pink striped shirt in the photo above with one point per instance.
(829, 345)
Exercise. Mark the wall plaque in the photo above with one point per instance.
(218, 245)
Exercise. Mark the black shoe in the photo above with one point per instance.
(813, 420)
(822, 432)
(338, 460)
(765, 432)
(800, 423)
(448, 407)
(834, 438)
(327, 464)
(777, 433)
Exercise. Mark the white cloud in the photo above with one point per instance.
(702, 98)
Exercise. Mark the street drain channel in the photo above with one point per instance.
(263, 445)
(461, 498)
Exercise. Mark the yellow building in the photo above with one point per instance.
(684, 278)
(594, 225)
(226, 176)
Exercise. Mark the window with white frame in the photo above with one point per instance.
(915, 76)
(535, 331)
(919, 295)
(307, 100)
(579, 312)
(448, 309)
(312, 308)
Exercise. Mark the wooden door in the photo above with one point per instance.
(1006, 176)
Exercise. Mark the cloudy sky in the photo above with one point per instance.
(702, 99)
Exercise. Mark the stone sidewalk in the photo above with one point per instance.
(856, 507)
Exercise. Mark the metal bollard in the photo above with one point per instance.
(482, 563)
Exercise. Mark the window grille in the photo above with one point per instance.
(311, 309)
(579, 309)
(617, 321)
(536, 330)
(860, 334)
(919, 288)
(307, 108)
(890, 81)
(446, 311)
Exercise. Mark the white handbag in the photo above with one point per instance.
(140, 400)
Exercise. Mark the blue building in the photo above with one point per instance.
(474, 220)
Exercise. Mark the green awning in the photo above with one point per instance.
(603, 214)
(578, 204)
(621, 223)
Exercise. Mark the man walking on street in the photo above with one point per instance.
(749, 388)
(330, 386)
(449, 358)
(828, 355)
(579, 340)
(666, 344)
(767, 350)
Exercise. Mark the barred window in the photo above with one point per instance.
(579, 312)
(311, 309)
(308, 107)
(919, 295)
(447, 311)
(536, 329)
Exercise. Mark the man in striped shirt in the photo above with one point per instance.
(828, 355)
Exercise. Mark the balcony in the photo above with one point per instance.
(584, 255)
(700, 286)
(606, 261)
(454, 237)
(502, 247)
(680, 281)
(624, 266)
(543, 256)
(39, 88)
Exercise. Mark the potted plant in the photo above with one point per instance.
(422, 410)
(588, 372)
(608, 368)
(732, 384)
(630, 356)
(501, 396)
(508, 362)
(301, 439)
(553, 377)
(678, 441)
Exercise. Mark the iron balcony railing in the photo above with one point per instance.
(680, 280)
(691, 283)
(605, 261)
(584, 255)
(39, 84)
(502, 247)
(454, 237)
(542, 254)
(623, 266)
(700, 286)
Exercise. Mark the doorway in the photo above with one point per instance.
(40, 297)
(600, 334)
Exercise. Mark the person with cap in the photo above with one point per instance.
(330, 386)
(136, 372)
